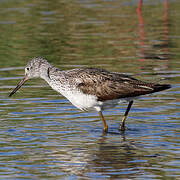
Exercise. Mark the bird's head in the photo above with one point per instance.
(35, 68)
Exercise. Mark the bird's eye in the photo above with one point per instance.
(27, 69)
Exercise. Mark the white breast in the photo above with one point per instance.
(77, 98)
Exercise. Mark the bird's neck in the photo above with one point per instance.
(45, 73)
(49, 73)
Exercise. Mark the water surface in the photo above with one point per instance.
(43, 136)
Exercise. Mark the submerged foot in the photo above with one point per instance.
(105, 129)
(122, 127)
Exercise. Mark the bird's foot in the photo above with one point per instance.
(105, 129)
(122, 127)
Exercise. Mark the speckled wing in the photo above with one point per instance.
(107, 86)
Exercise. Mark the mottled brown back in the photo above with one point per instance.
(111, 85)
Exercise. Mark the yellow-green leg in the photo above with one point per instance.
(104, 122)
(122, 126)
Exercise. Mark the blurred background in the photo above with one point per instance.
(43, 136)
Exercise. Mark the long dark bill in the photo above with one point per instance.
(18, 86)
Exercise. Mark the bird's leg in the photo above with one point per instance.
(122, 126)
(104, 122)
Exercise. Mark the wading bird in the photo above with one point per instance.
(90, 88)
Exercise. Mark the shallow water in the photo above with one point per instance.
(43, 136)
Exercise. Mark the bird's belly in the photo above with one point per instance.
(80, 100)
(87, 102)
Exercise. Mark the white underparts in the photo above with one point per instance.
(85, 102)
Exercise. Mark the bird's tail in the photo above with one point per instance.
(161, 87)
